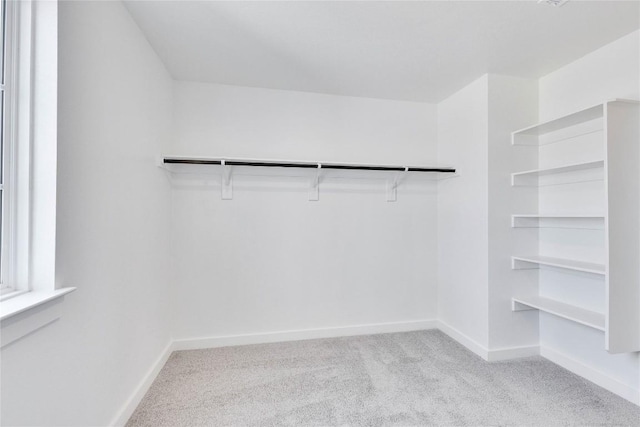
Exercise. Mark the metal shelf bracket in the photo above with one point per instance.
(392, 185)
(227, 182)
(314, 187)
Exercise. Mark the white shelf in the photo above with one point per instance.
(590, 222)
(558, 216)
(186, 164)
(196, 170)
(557, 308)
(553, 125)
(530, 135)
(534, 261)
(531, 177)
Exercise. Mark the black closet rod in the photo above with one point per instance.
(169, 160)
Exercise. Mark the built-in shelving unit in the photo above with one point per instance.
(557, 308)
(588, 162)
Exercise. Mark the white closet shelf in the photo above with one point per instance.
(185, 169)
(179, 163)
(526, 177)
(562, 169)
(534, 261)
(583, 221)
(528, 135)
(577, 216)
(580, 315)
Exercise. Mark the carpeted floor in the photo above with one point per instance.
(413, 378)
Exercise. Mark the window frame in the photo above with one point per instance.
(10, 285)
(35, 102)
(15, 242)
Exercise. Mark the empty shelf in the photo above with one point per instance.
(577, 314)
(166, 161)
(531, 177)
(534, 261)
(592, 222)
(528, 135)
(581, 116)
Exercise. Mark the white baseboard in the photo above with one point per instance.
(463, 339)
(303, 334)
(490, 355)
(603, 380)
(377, 328)
(508, 353)
(136, 397)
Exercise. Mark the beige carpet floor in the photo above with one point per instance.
(402, 379)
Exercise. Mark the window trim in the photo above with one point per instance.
(10, 284)
(36, 130)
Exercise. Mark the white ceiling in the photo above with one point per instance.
(419, 51)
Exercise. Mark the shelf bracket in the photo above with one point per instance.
(392, 185)
(314, 187)
(227, 182)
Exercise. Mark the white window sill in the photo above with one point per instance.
(21, 303)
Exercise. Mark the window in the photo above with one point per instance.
(8, 114)
(29, 120)
(16, 145)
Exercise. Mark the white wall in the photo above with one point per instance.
(270, 260)
(609, 72)
(612, 71)
(512, 105)
(237, 121)
(463, 213)
(475, 240)
(112, 229)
